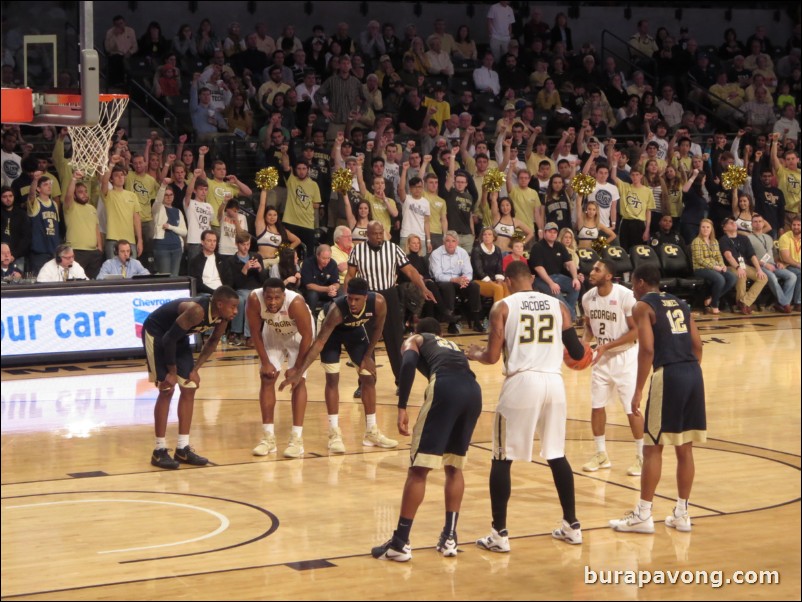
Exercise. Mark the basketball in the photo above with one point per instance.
(579, 364)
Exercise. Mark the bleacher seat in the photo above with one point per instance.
(676, 263)
(587, 257)
(644, 255)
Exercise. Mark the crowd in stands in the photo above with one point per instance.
(419, 119)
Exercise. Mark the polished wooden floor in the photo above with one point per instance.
(85, 516)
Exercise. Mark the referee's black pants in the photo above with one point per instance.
(393, 332)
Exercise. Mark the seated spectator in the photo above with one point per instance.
(516, 253)
(555, 272)
(438, 59)
(742, 261)
(412, 301)
(760, 112)
(207, 266)
(418, 53)
(486, 263)
(320, 279)
(464, 46)
(485, 79)
(167, 81)
(670, 109)
(206, 120)
(238, 116)
(120, 44)
(62, 267)
(10, 272)
(666, 234)
(755, 52)
(708, 263)
(451, 269)
(726, 96)
(548, 98)
(234, 43)
(616, 93)
(153, 46)
(343, 245)
(287, 269)
(787, 126)
(731, 46)
(244, 272)
(763, 245)
(122, 264)
(206, 40)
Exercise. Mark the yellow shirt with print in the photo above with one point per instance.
(217, 196)
(437, 208)
(635, 202)
(788, 181)
(302, 197)
(378, 209)
(145, 188)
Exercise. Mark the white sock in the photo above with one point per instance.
(681, 508)
(334, 421)
(639, 445)
(161, 443)
(183, 441)
(644, 509)
(268, 429)
(601, 446)
(297, 430)
(370, 420)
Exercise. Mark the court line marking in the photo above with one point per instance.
(224, 522)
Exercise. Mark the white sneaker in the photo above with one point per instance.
(447, 546)
(599, 460)
(496, 541)
(374, 438)
(636, 468)
(680, 523)
(266, 446)
(633, 523)
(388, 551)
(295, 449)
(568, 533)
(336, 445)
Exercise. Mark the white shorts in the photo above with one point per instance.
(529, 403)
(616, 373)
(280, 348)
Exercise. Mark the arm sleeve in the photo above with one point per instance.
(572, 343)
(409, 363)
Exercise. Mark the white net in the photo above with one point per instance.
(90, 143)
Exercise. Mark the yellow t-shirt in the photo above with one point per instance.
(635, 201)
(302, 196)
(787, 243)
(525, 201)
(788, 181)
(378, 210)
(437, 207)
(217, 196)
(145, 188)
(120, 208)
(82, 226)
(443, 112)
(533, 164)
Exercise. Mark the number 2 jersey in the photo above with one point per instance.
(608, 315)
(672, 333)
(533, 334)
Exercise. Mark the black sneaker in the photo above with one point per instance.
(161, 458)
(187, 455)
(392, 551)
(358, 393)
(453, 328)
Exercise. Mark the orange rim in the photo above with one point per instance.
(76, 99)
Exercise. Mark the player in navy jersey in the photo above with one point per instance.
(354, 321)
(442, 434)
(675, 412)
(165, 335)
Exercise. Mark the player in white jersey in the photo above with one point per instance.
(531, 328)
(287, 330)
(608, 317)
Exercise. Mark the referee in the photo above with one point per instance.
(378, 261)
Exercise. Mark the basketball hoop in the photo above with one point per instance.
(90, 143)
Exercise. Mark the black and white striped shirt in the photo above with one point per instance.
(379, 266)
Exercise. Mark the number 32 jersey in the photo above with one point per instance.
(608, 315)
(533, 334)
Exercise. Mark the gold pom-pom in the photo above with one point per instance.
(734, 177)
(267, 178)
(342, 180)
(494, 180)
(600, 244)
(583, 184)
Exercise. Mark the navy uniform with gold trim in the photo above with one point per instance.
(675, 413)
(452, 405)
(351, 333)
(158, 324)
